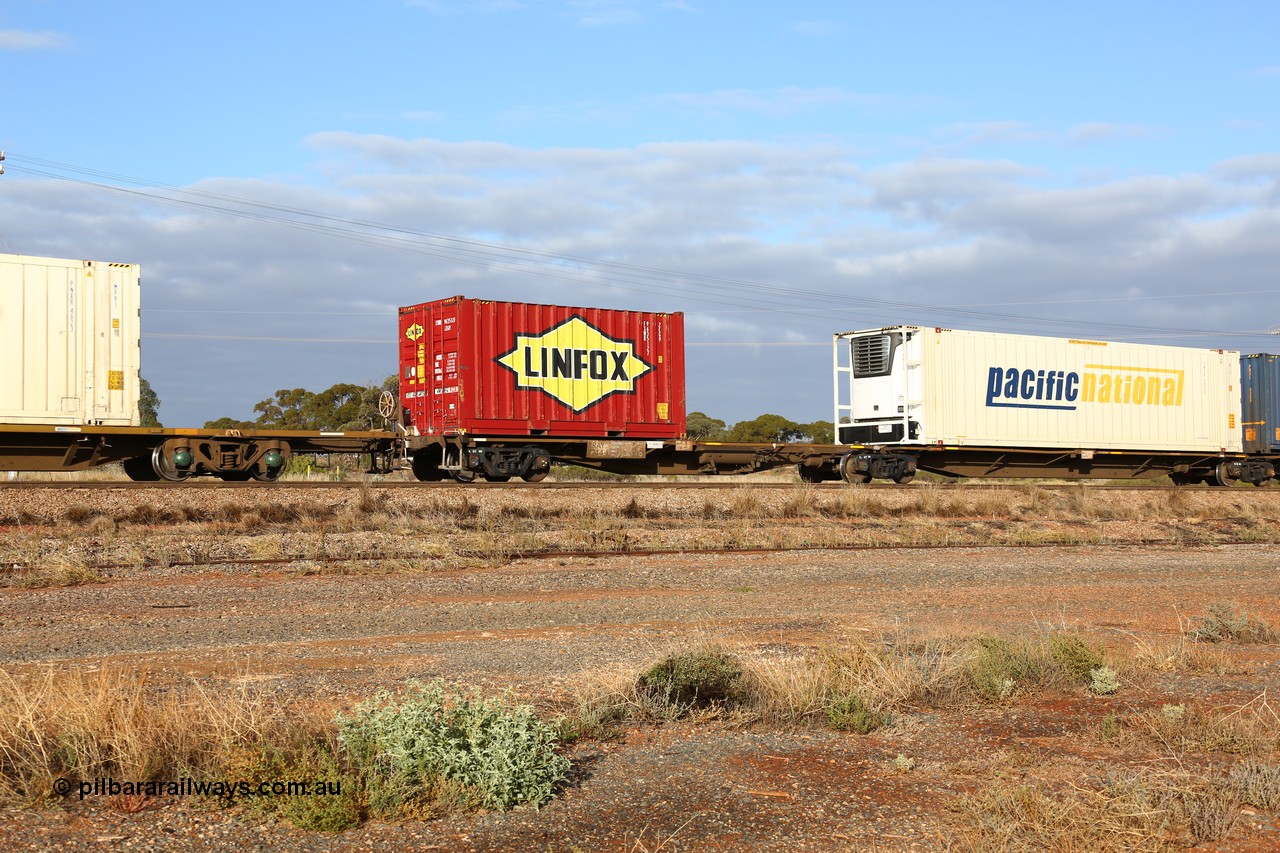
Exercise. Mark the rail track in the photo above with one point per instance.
(727, 483)
(509, 556)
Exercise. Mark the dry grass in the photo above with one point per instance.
(120, 724)
(1133, 810)
(883, 676)
(1256, 784)
(62, 731)
(1180, 655)
(859, 675)
(1127, 815)
(497, 526)
(1252, 729)
(858, 683)
(1224, 621)
(49, 570)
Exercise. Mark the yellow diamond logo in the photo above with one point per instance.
(413, 332)
(575, 363)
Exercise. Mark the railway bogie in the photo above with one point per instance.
(229, 457)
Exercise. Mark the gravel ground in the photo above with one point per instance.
(547, 628)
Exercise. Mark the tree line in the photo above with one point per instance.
(767, 428)
(346, 406)
(342, 407)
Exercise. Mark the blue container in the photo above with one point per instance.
(1260, 402)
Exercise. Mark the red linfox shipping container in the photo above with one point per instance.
(475, 367)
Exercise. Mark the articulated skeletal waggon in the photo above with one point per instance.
(69, 386)
(499, 391)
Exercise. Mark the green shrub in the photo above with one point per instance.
(439, 749)
(999, 669)
(1226, 622)
(697, 679)
(849, 713)
(333, 812)
(301, 757)
(1075, 658)
(1103, 681)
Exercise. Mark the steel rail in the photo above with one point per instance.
(726, 483)
(552, 554)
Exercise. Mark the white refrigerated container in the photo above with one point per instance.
(925, 386)
(69, 341)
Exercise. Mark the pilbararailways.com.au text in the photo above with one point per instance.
(226, 790)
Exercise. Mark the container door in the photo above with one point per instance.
(442, 353)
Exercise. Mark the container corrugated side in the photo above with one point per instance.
(69, 341)
(1260, 402)
(508, 368)
(1000, 390)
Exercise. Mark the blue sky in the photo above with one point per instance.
(782, 171)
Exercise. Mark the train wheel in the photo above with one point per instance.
(426, 464)
(848, 472)
(809, 474)
(139, 470)
(1220, 475)
(903, 479)
(535, 477)
(270, 476)
(165, 469)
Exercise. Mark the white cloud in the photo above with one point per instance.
(607, 13)
(779, 101)
(26, 40)
(929, 188)
(1250, 167)
(423, 116)
(987, 132)
(1099, 131)
(458, 7)
(818, 29)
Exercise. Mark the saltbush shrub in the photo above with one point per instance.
(450, 748)
(1103, 681)
(1226, 622)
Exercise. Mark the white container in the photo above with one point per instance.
(911, 385)
(69, 348)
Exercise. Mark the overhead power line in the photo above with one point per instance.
(599, 272)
